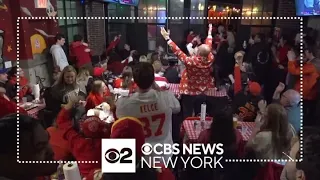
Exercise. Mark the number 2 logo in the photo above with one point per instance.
(147, 124)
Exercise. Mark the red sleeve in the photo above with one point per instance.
(237, 79)
(112, 45)
(81, 148)
(294, 69)
(181, 55)
(107, 92)
(90, 103)
(98, 71)
(9, 107)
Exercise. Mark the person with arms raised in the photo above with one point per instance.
(196, 78)
(310, 77)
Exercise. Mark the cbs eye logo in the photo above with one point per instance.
(113, 155)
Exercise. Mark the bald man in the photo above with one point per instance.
(290, 99)
(196, 79)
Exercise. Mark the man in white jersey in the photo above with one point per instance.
(151, 106)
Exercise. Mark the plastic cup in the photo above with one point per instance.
(235, 122)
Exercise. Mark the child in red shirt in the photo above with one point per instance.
(97, 95)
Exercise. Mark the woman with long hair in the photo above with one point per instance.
(63, 89)
(126, 80)
(84, 80)
(222, 124)
(221, 131)
(272, 139)
(96, 96)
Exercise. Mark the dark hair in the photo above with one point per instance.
(311, 49)
(77, 37)
(59, 37)
(143, 75)
(8, 131)
(223, 124)
(230, 27)
(261, 36)
(13, 71)
(311, 153)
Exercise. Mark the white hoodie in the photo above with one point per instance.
(59, 56)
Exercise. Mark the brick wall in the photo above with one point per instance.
(96, 27)
(286, 8)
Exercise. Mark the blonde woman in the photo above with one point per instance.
(84, 80)
(64, 89)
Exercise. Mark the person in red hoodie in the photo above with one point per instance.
(82, 53)
(85, 145)
(97, 95)
(130, 127)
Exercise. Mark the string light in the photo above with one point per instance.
(226, 9)
(154, 8)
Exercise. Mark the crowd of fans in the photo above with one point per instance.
(261, 78)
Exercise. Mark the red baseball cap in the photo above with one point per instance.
(254, 88)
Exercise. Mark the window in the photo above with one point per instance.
(155, 9)
(154, 37)
(119, 10)
(197, 10)
(70, 27)
(176, 10)
(257, 8)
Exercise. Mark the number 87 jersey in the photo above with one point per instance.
(154, 109)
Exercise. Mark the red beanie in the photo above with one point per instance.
(129, 127)
(254, 88)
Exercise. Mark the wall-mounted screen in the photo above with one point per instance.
(111, 1)
(129, 2)
(307, 7)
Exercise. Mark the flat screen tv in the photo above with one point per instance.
(307, 7)
(129, 2)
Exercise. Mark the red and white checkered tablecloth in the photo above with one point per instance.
(34, 111)
(192, 135)
(211, 92)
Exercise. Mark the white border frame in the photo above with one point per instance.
(209, 18)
